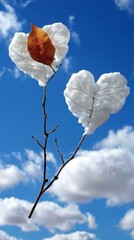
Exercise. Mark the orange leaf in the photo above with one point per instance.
(40, 46)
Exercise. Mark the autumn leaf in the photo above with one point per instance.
(40, 46)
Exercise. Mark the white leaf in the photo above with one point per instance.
(18, 52)
(93, 102)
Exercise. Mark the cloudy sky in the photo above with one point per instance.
(93, 198)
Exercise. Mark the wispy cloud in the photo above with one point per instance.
(15, 72)
(75, 37)
(5, 236)
(2, 71)
(67, 63)
(74, 34)
(9, 20)
(125, 5)
(24, 4)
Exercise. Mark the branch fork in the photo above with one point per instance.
(44, 188)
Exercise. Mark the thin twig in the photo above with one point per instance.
(53, 130)
(37, 141)
(61, 155)
(54, 72)
(53, 69)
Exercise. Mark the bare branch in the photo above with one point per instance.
(46, 135)
(44, 151)
(57, 147)
(53, 130)
(65, 163)
(37, 141)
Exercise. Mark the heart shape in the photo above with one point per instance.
(93, 102)
(19, 53)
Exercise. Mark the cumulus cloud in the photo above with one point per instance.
(127, 222)
(34, 164)
(74, 34)
(104, 173)
(5, 236)
(14, 212)
(118, 139)
(125, 5)
(27, 169)
(73, 236)
(10, 176)
(8, 19)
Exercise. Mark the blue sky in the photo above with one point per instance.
(93, 198)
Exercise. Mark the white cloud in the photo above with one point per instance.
(118, 139)
(71, 20)
(2, 71)
(24, 4)
(132, 234)
(17, 155)
(5, 236)
(14, 72)
(9, 22)
(50, 157)
(105, 173)
(14, 212)
(127, 222)
(28, 170)
(67, 64)
(125, 5)
(34, 164)
(74, 34)
(62, 218)
(75, 37)
(74, 236)
(91, 221)
(10, 176)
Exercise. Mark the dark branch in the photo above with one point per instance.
(53, 130)
(37, 141)
(65, 163)
(44, 151)
(57, 147)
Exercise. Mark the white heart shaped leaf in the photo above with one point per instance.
(93, 102)
(18, 52)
